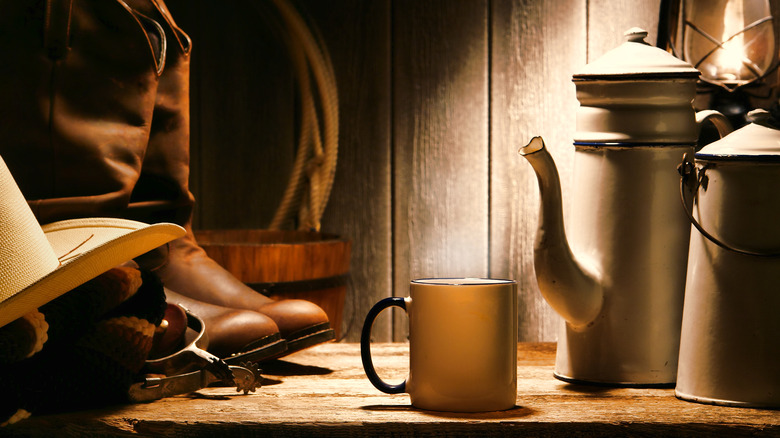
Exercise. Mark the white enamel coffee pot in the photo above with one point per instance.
(618, 280)
(730, 345)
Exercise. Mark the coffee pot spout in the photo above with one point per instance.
(571, 287)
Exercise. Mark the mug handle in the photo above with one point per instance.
(365, 346)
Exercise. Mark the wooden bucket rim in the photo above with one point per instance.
(241, 237)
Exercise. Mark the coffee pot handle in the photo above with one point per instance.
(718, 120)
(365, 346)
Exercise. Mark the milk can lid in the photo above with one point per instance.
(758, 141)
(635, 59)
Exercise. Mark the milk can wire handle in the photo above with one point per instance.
(689, 179)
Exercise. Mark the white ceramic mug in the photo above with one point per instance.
(462, 344)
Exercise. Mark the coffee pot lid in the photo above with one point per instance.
(758, 141)
(637, 59)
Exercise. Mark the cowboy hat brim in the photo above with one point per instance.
(86, 248)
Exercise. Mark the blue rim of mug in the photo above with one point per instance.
(465, 281)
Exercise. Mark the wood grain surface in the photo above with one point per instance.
(323, 392)
(536, 48)
(440, 136)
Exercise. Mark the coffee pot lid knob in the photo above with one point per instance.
(636, 35)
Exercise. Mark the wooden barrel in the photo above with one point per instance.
(286, 264)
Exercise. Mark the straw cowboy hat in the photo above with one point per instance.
(38, 264)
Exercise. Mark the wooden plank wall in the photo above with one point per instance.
(436, 96)
(440, 142)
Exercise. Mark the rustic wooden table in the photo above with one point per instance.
(324, 392)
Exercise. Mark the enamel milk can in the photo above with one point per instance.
(730, 345)
(618, 280)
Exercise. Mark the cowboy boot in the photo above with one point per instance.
(77, 111)
(79, 81)
(162, 194)
(191, 273)
(227, 332)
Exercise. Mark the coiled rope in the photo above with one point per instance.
(316, 157)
